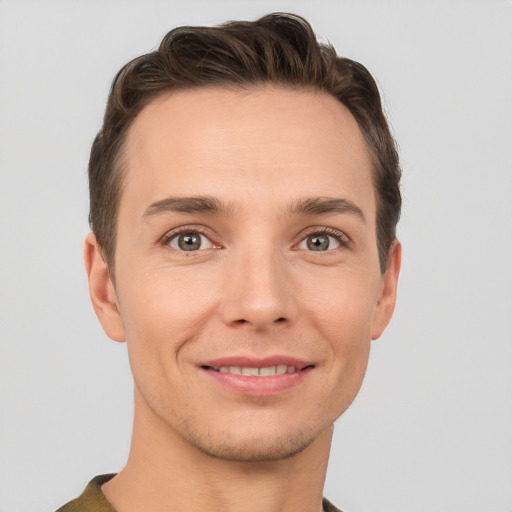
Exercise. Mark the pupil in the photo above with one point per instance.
(189, 242)
(318, 243)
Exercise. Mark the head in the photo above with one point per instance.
(278, 49)
(244, 193)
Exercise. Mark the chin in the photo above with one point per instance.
(260, 441)
(253, 450)
(254, 435)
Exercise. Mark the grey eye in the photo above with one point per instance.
(319, 242)
(192, 241)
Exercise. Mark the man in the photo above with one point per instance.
(244, 196)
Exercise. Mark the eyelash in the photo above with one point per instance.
(340, 237)
(168, 237)
(344, 241)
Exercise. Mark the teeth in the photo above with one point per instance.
(281, 369)
(267, 371)
(252, 372)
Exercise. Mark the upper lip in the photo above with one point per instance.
(256, 362)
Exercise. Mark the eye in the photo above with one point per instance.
(190, 241)
(320, 242)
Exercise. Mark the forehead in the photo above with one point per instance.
(265, 140)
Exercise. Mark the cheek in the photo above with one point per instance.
(162, 310)
(345, 307)
(343, 315)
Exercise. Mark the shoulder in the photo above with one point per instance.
(92, 499)
(327, 506)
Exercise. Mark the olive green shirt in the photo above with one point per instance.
(93, 499)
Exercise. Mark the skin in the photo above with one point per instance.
(254, 288)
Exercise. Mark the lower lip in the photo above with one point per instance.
(258, 386)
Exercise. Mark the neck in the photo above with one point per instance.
(165, 472)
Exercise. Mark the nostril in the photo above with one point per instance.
(280, 319)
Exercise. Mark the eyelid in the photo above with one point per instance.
(187, 228)
(344, 240)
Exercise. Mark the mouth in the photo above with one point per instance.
(250, 371)
(257, 377)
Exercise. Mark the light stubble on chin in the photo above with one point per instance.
(266, 448)
(228, 446)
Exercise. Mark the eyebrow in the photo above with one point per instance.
(325, 205)
(212, 205)
(196, 204)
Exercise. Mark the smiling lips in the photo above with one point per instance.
(266, 371)
(257, 378)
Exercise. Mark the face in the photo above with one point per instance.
(248, 286)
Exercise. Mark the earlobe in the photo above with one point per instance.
(101, 289)
(387, 299)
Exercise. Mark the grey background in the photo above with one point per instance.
(432, 427)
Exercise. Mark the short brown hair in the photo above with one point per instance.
(279, 49)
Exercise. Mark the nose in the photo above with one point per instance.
(259, 292)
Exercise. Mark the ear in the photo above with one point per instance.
(387, 298)
(102, 291)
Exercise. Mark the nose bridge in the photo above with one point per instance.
(259, 289)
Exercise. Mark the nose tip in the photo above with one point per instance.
(259, 295)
